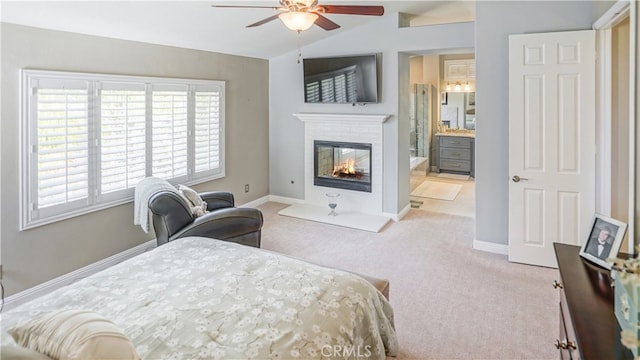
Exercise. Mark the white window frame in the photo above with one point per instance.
(30, 216)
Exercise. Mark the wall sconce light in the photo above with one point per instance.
(458, 87)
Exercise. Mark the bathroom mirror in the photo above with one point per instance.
(470, 110)
(459, 110)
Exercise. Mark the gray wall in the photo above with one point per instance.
(286, 137)
(495, 21)
(600, 7)
(33, 256)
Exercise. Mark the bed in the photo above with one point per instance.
(200, 298)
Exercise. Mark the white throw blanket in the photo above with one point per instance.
(146, 188)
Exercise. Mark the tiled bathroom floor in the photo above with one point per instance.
(463, 204)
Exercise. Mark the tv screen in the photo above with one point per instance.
(341, 80)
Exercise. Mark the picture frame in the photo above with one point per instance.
(611, 231)
(444, 97)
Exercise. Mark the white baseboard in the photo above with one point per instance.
(272, 198)
(491, 247)
(285, 200)
(69, 278)
(256, 202)
(397, 217)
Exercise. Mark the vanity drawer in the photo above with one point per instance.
(455, 153)
(455, 165)
(455, 141)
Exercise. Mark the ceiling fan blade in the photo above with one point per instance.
(264, 21)
(352, 9)
(245, 7)
(325, 23)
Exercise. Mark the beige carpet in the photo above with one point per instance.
(450, 301)
(437, 190)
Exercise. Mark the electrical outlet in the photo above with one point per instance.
(246, 188)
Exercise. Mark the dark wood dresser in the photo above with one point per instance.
(588, 326)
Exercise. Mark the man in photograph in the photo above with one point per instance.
(600, 242)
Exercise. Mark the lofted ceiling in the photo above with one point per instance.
(198, 25)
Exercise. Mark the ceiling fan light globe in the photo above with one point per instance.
(298, 21)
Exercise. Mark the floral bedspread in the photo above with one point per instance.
(198, 298)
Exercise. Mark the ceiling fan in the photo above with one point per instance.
(299, 15)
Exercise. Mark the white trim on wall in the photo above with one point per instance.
(634, 114)
(397, 217)
(285, 200)
(69, 278)
(491, 247)
(256, 202)
(1, 176)
(616, 13)
(603, 123)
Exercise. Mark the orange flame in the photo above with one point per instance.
(347, 167)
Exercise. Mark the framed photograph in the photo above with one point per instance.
(604, 240)
(444, 97)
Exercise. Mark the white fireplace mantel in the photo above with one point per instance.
(357, 209)
(375, 118)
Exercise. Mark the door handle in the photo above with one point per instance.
(517, 178)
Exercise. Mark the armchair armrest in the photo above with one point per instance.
(170, 213)
(217, 199)
(241, 225)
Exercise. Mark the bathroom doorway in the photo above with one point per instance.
(430, 188)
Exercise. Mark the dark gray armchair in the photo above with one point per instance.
(172, 219)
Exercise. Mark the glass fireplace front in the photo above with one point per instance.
(342, 165)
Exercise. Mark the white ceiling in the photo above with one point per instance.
(197, 25)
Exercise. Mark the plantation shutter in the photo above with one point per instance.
(327, 90)
(88, 139)
(350, 86)
(207, 135)
(312, 92)
(122, 136)
(340, 86)
(169, 131)
(60, 145)
(334, 86)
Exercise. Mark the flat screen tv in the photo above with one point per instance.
(341, 80)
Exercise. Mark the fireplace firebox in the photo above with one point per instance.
(342, 165)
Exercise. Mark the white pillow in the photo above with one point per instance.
(198, 206)
(74, 335)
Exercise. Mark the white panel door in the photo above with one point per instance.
(551, 143)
